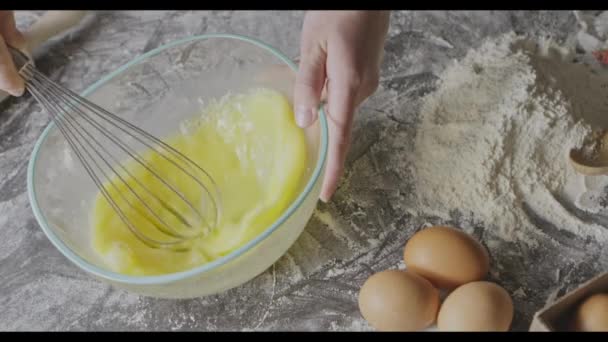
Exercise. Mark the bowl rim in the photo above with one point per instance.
(177, 276)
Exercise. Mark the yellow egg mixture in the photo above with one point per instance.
(255, 153)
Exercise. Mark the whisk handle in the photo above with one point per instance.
(20, 58)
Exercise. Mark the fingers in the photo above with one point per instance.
(342, 97)
(8, 30)
(10, 81)
(309, 84)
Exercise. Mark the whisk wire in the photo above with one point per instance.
(79, 149)
(134, 155)
(72, 121)
(90, 170)
(65, 108)
(108, 134)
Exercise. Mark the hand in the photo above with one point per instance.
(10, 81)
(340, 56)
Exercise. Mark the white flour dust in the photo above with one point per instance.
(494, 138)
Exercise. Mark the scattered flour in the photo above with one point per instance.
(495, 136)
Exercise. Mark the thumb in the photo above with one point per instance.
(309, 84)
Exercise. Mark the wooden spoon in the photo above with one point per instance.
(592, 158)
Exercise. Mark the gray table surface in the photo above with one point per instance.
(314, 286)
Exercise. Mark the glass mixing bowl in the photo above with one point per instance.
(157, 91)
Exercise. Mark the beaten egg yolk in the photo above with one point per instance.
(251, 147)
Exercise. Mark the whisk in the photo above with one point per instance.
(184, 204)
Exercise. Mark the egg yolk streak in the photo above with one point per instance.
(251, 147)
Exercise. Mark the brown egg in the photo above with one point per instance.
(396, 300)
(592, 314)
(448, 257)
(476, 306)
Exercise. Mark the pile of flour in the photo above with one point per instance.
(494, 138)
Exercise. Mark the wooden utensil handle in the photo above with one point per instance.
(49, 25)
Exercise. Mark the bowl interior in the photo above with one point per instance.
(157, 92)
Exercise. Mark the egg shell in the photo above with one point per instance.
(592, 314)
(446, 256)
(476, 306)
(395, 300)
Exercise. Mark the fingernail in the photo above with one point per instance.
(16, 92)
(325, 196)
(304, 116)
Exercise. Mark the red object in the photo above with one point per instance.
(601, 56)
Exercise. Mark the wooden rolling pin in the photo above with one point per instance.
(50, 24)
